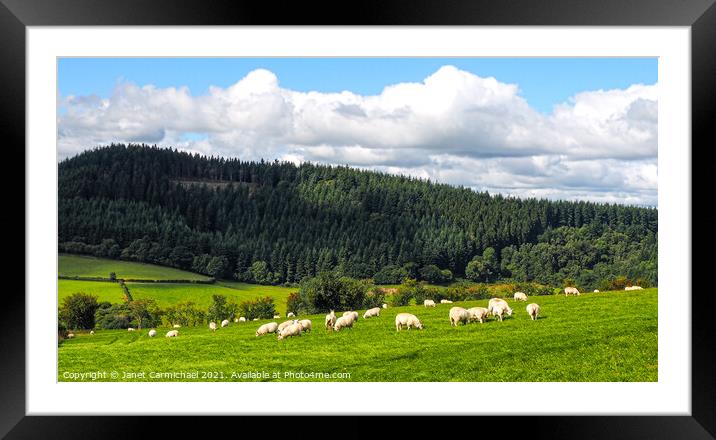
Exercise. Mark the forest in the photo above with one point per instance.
(276, 222)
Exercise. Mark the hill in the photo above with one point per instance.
(275, 222)
(87, 266)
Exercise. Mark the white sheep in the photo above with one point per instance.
(458, 314)
(385, 306)
(152, 333)
(533, 310)
(225, 323)
(276, 316)
(306, 324)
(520, 296)
(255, 319)
(498, 307)
(270, 327)
(429, 303)
(130, 329)
(375, 311)
(285, 324)
(571, 291)
(330, 320)
(351, 312)
(408, 320)
(290, 315)
(445, 301)
(596, 290)
(91, 332)
(478, 314)
(236, 320)
(177, 326)
(172, 333)
(70, 335)
(212, 326)
(292, 330)
(345, 321)
(633, 288)
(242, 319)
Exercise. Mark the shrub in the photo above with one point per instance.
(293, 303)
(145, 313)
(328, 291)
(261, 308)
(184, 313)
(406, 292)
(374, 298)
(115, 316)
(390, 275)
(78, 311)
(217, 309)
(112, 276)
(61, 330)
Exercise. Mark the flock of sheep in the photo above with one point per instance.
(497, 307)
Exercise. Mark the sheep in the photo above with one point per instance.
(292, 330)
(330, 320)
(520, 296)
(270, 327)
(499, 307)
(276, 316)
(236, 320)
(345, 321)
(458, 314)
(70, 335)
(152, 333)
(375, 311)
(429, 303)
(177, 326)
(478, 314)
(533, 310)
(306, 325)
(130, 329)
(172, 333)
(596, 290)
(385, 306)
(212, 326)
(91, 332)
(225, 323)
(255, 319)
(242, 319)
(571, 291)
(633, 288)
(445, 301)
(355, 314)
(408, 320)
(285, 324)
(290, 315)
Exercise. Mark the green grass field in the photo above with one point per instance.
(86, 266)
(105, 291)
(610, 336)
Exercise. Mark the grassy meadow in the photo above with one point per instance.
(609, 336)
(87, 266)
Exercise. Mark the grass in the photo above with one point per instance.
(87, 266)
(609, 336)
(105, 291)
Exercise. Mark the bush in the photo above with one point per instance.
(78, 311)
(61, 330)
(261, 308)
(217, 309)
(115, 316)
(184, 313)
(390, 275)
(328, 291)
(293, 303)
(406, 292)
(145, 313)
(374, 298)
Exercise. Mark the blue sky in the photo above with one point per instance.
(542, 81)
(557, 128)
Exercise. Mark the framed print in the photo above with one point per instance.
(470, 209)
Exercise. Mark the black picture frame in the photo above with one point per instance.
(16, 15)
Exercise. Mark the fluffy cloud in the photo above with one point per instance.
(453, 127)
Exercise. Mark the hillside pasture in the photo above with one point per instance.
(88, 266)
(609, 336)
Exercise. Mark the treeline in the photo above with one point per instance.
(275, 222)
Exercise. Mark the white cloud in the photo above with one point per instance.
(453, 127)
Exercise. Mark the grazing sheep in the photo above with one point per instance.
(306, 324)
(533, 310)
(408, 320)
(225, 323)
(385, 306)
(285, 324)
(70, 335)
(633, 288)
(130, 329)
(177, 326)
(330, 320)
(458, 314)
(91, 332)
(345, 321)
(276, 316)
(242, 319)
(271, 327)
(152, 333)
(478, 314)
(445, 301)
(255, 319)
(429, 303)
(596, 290)
(292, 330)
(375, 311)
(236, 320)
(498, 307)
(212, 326)
(355, 314)
(571, 291)
(290, 315)
(520, 296)
(172, 333)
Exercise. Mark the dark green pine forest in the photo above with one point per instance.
(276, 222)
